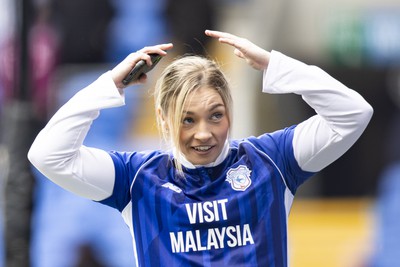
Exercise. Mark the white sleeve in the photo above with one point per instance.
(58, 152)
(342, 114)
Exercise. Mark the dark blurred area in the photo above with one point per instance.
(356, 173)
(187, 20)
(83, 28)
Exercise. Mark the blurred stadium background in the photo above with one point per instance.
(337, 218)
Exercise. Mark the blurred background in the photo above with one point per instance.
(49, 49)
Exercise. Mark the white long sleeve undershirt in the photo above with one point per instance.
(342, 115)
(58, 152)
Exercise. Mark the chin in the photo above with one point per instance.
(202, 162)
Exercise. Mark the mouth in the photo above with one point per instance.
(202, 149)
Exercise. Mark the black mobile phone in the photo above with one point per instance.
(140, 68)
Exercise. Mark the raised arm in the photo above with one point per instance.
(58, 152)
(342, 114)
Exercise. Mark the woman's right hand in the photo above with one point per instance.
(119, 72)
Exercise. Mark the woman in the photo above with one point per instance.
(210, 201)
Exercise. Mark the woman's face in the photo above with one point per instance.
(205, 126)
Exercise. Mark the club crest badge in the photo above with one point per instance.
(239, 178)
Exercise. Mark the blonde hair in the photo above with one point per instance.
(177, 81)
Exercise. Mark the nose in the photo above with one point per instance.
(203, 132)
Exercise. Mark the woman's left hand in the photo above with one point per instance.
(254, 55)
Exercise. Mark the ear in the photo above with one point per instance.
(164, 124)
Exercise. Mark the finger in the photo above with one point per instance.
(142, 78)
(166, 46)
(162, 48)
(218, 34)
(135, 57)
(147, 58)
(228, 41)
(238, 44)
(158, 49)
(238, 53)
(215, 34)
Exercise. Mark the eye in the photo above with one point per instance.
(217, 116)
(187, 121)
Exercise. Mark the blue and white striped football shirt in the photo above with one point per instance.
(234, 214)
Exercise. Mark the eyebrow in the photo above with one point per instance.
(215, 106)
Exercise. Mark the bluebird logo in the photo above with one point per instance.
(239, 178)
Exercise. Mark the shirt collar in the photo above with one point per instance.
(222, 156)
